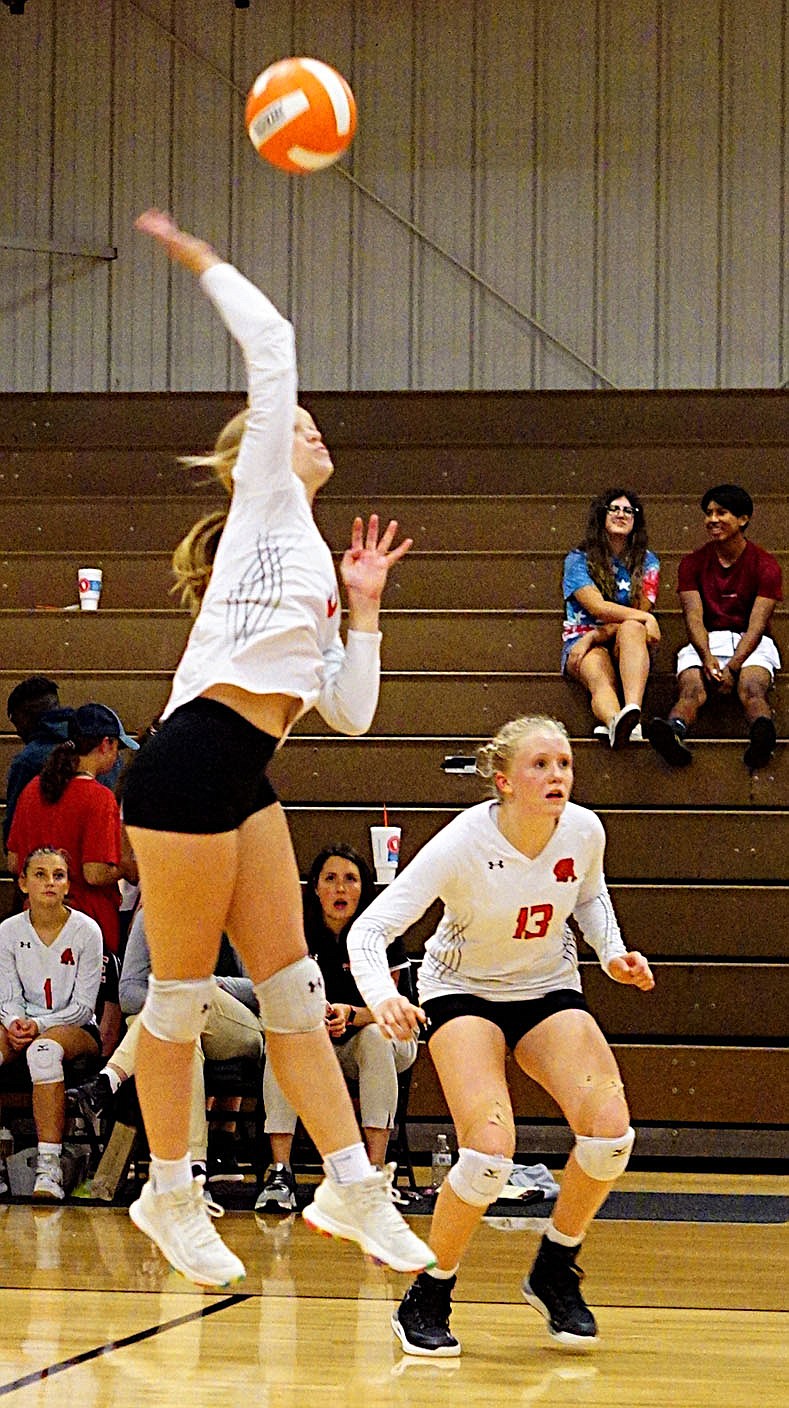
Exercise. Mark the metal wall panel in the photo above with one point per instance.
(81, 192)
(140, 321)
(383, 249)
(26, 156)
(752, 217)
(566, 136)
(626, 204)
(505, 193)
(617, 170)
(444, 161)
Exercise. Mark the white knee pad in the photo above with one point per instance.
(293, 999)
(45, 1061)
(479, 1178)
(176, 1009)
(604, 1159)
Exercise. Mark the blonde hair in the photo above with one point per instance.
(193, 559)
(498, 755)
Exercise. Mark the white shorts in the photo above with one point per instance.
(723, 645)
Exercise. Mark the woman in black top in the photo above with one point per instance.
(339, 886)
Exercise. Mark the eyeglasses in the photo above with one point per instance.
(621, 512)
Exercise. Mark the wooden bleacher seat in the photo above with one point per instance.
(494, 489)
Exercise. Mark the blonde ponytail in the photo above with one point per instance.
(193, 559)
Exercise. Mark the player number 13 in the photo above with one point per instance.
(533, 921)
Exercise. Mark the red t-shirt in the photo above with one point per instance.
(728, 593)
(86, 823)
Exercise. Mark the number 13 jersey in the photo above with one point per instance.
(504, 933)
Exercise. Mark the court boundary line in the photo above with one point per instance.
(35, 1376)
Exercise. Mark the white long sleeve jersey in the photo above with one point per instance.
(54, 984)
(270, 619)
(504, 933)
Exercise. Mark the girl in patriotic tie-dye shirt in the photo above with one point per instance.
(610, 585)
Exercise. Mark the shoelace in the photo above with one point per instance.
(193, 1208)
(376, 1195)
(433, 1302)
(567, 1284)
(213, 1208)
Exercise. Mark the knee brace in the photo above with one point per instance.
(604, 1159)
(293, 999)
(45, 1061)
(175, 1009)
(479, 1178)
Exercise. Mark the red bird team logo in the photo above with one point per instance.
(564, 870)
(331, 606)
(67, 957)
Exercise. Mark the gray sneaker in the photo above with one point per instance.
(364, 1213)
(48, 1186)
(180, 1225)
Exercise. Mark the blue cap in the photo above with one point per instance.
(98, 721)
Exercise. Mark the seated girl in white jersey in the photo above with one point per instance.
(501, 972)
(211, 841)
(50, 970)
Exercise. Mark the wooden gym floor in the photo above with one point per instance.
(692, 1315)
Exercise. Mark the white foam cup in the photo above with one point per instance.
(89, 586)
(386, 852)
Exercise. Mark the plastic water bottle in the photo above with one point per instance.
(6, 1150)
(441, 1160)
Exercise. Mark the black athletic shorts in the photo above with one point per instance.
(92, 1029)
(204, 772)
(514, 1019)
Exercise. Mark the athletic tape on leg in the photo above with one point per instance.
(293, 999)
(479, 1178)
(604, 1159)
(487, 1112)
(176, 1009)
(45, 1061)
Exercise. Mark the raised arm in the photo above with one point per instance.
(349, 696)
(195, 254)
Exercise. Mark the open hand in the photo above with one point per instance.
(186, 249)
(365, 565)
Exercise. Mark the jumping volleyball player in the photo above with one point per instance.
(501, 972)
(211, 840)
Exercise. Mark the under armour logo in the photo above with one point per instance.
(331, 605)
(493, 863)
(315, 986)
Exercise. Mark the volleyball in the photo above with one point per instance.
(300, 114)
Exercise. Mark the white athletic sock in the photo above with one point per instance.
(169, 1174)
(442, 1275)
(349, 1165)
(113, 1078)
(564, 1241)
(44, 1148)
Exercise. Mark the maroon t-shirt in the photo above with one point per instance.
(728, 593)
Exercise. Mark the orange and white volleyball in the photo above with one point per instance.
(300, 114)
